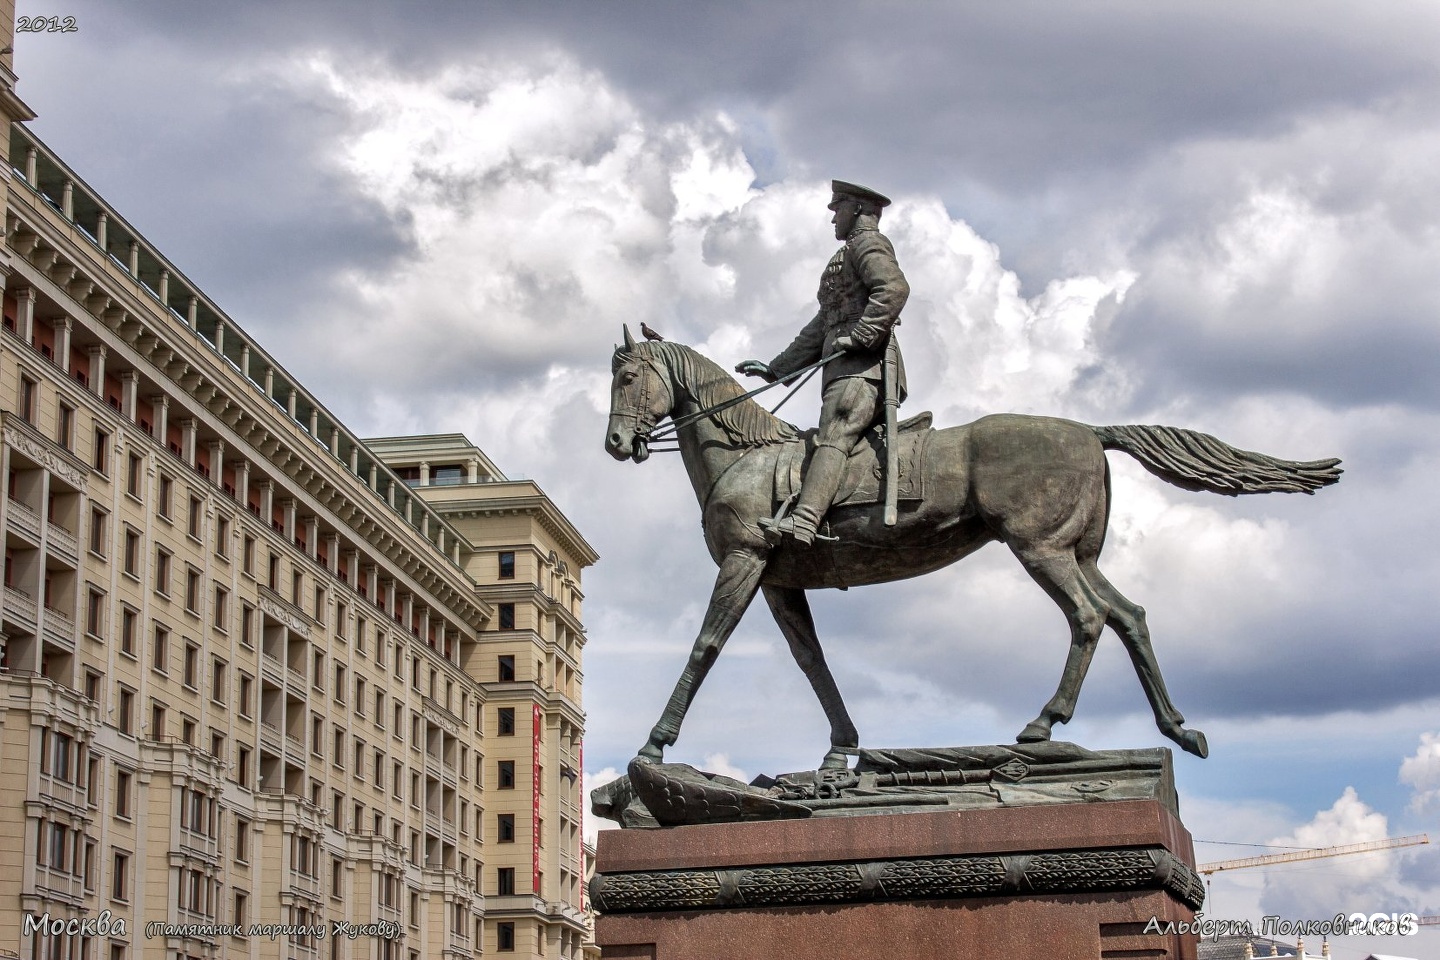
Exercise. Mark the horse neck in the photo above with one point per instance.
(705, 448)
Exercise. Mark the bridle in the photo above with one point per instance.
(679, 423)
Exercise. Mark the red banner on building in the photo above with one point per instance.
(535, 726)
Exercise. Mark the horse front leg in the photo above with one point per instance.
(735, 587)
(792, 613)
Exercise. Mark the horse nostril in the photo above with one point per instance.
(614, 439)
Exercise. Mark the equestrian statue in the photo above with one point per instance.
(875, 500)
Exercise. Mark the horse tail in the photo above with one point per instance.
(1198, 461)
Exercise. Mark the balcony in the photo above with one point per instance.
(59, 628)
(19, 607)
(62, 543)
(270, 736)
(25, 521)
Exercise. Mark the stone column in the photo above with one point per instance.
(25, 307)
(242, 483)
(134, 260)
(129, 387)
(287, 507)
(62, 343)
(161, 403)
(217, 462)
(424, 473)
(187, 440)
(102, 232)
(97, 370)
(267, 499)
(164, 290)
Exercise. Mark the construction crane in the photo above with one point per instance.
(1316, 854)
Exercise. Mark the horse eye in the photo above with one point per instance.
(629, 376)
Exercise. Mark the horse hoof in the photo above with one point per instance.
(1193, 741)
(1034, 732)
(652, 753)
(835, 759)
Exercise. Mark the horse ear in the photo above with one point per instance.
(629, 340)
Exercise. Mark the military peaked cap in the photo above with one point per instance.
(853, 191)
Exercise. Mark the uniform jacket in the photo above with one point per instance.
(861, 293)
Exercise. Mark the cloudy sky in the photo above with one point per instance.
(1217, 215)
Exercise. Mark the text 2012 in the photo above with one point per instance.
(46, 25)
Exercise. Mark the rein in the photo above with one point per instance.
(679, 423)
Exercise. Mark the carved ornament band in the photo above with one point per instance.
(930, 878)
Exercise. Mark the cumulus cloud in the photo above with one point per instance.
(1364, 882)
(1421, 771)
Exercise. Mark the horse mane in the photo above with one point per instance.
(746, 423)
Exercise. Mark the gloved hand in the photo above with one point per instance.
(755, 368)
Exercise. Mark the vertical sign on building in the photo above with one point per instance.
(536, 721)
(581, 805)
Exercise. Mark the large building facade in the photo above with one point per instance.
(253, 669)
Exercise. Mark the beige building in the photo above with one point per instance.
(256, 670)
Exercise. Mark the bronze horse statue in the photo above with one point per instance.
(1038, 484)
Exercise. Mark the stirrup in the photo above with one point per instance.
(776, 527)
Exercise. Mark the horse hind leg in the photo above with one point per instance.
(792, 614)
(1128, 619)
(1058, 574)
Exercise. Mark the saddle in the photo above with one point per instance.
(861, 483)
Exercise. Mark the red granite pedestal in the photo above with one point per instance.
(1073, 881)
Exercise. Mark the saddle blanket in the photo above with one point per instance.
(861, 483)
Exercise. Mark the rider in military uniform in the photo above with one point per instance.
(861, 293)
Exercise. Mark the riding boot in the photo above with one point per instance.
(817, 491)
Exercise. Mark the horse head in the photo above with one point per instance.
(640, 397)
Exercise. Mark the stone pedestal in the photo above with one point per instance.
(1066, 881)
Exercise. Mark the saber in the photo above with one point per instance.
(892, 446)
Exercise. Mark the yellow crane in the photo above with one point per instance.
(1316, 854)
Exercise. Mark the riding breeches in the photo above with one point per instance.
(847, 410)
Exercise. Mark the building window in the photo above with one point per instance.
(128, 620)
(132, 553)
(507, 616)
(162, 572)
(506, 724)
(29, 389)
(242, 766)
(192, 590)
(247, 555)
(507, 565)
(123, 779)
(157, 721)
(95, 613)
(98, 527)
(339, 683)
(244, 696)
(241, 912)
(65, 427)
(120, 877)
(125, 718)
(221, 612)
(247, 625)
(507, 667)
(505, 936)
(162, 504)
(133, 475)
(242, 840)
(192, 667)
(100, 452)
(505, 881)
(193, 518)
(506, 774)
(160, 649)
(505, 827)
